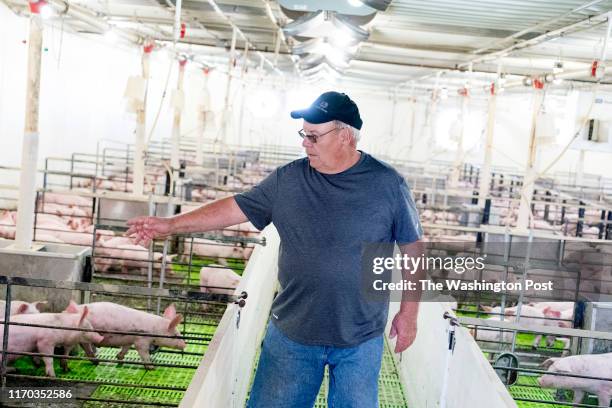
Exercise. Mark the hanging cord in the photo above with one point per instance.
(161, 103)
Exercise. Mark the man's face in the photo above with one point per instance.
(325, 154)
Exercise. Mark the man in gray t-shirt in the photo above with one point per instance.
(325, 207)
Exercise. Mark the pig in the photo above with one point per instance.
(493, 334)
(218, 279)
(136, 256)
(120, 252)
(107, 316)
(20, 307)
(68, 200)
(51, 219)
(44, 340)
(533, 315)
(90, 229)
(592, 365)
(67, 236)
(64, 210)
(214, 249)
(560, 306)
(8, 220)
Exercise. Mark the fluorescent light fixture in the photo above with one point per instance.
(355, 3)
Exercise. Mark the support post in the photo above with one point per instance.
(29, 153)
(203, 117)
(176, 123)
(522, 223)
(465, 92)
(245, 65)
(485, 172)
(139, 148)
(230, 66)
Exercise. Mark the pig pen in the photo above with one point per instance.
(574, 333)
(413, 379)
(134, 283)
(112, 382)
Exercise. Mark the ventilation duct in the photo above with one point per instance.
(327, 32)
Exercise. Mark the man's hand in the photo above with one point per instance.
(404, 326)
(145, 229)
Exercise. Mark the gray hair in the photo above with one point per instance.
(354, 131)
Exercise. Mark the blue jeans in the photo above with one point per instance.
(289, 374)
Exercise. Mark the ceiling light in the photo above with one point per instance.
(355, 3)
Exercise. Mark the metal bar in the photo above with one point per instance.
(558, 331)
(180, 295)
(7, 318)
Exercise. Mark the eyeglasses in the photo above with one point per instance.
(312, 138)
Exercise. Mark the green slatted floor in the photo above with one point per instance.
(390, 388)
(527, 387)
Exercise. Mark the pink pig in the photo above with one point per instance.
(44, 340)
(592, 365)
(107, 316)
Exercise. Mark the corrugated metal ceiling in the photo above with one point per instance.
(433, 34)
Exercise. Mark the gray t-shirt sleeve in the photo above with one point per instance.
(406, 224)
(258, 202)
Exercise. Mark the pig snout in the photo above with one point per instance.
(546, 381)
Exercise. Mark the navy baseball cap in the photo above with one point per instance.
(331, 106)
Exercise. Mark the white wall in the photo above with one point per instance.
(84, 79)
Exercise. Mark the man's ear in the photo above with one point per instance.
(345, 135)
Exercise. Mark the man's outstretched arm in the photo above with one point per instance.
(212, 216)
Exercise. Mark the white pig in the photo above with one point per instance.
(536, 316)
(217, 279)
(7, 224)
(44, 340)
(214, 249)
(592, 365)
(107, 316)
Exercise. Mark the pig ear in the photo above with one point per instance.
(84, 315)
(22, 308)
(510, 312)
(487, 308)
(170, 312)
(39, 305)
(72, 307)
(175, 322)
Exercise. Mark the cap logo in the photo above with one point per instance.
(323, 106)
